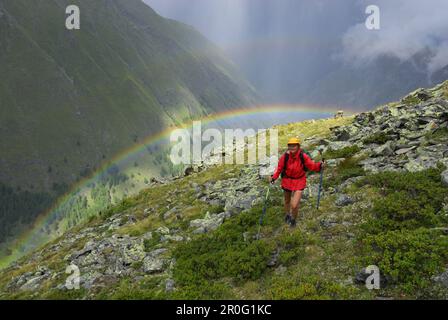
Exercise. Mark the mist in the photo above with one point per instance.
(297, 51)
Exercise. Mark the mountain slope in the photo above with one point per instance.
(127, 73)
(385, 203)
(71, 100)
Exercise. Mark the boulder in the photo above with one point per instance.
(334, 162)
(171, 212)
(343, 200)
(152, 263)
(404, 150)
(442, 278)
(209, 223)
(386, 149)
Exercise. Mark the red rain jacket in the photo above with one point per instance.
(295, 169)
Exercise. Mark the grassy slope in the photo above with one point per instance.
(318, 260)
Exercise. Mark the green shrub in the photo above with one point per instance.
(399, 211)
(408, 200)
(409, 257)
(292, 247)
(400, 235)
(209, 258)
(223, 253)
(348, 168)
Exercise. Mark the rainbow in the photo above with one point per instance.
(27, 238)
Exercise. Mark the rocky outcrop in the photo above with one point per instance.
(400, 137)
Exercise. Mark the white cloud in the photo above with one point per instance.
(407, 28)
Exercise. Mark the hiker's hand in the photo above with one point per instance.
(271, 180)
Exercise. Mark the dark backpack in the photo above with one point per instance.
(302, 159)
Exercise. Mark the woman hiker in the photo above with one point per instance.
(294, 177)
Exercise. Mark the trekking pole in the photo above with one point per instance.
(321, 181)
(264, 211)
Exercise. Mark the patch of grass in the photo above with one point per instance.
(440, 134)
(411, 100)
(319, 128)
(204, 290)
(150, 243)
(378, 138)
(342, 153)
(141, 227)
(127, 289)
(308, 288)
(124, 205)
(349, 168)
(292, 247)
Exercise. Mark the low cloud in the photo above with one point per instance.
(408, 27)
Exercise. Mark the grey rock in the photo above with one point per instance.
(326, 223)
(200, 230)
(348, 183)
(334, 162)
(152, 263)
(404, 150)
(163, 230)
(274, 258)
(175, 238)
(444, 177)
(442, 278)
(421, 163)
(32, 284)
(343, 200)
(386, 149)
(209, 223)
(171, 212)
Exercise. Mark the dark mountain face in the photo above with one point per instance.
(71, 99)
(81, 94)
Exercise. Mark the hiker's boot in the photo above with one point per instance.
(288, 219)
(292, 222)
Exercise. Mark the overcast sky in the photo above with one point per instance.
(277, 42)
(407, 26)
